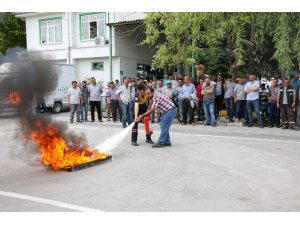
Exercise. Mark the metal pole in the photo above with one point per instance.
(110, 54)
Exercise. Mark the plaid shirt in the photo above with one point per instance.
(124, 94)
(162, 103)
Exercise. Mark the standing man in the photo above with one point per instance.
(252, 100)
(240, 100)
(133, 91)
(107, 102)
(187, 90)
(229, 87)
(74, 97)
(167, 108)
(295, 82)
(169, 91)
(286, 101)
(85, 98)
(177, 92)
(80, 110)
(141, 105)
(175, 81)
(200, 110)
(123, 94)
(95, 91)
(117, 84)
(219, 94)
(274, 111)
(208, 93)
(114, 101)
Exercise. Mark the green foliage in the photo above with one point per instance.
(264, 43)
(12, 32)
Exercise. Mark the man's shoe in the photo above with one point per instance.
(214, 125)
(125, 126)
(285, 127)
(183, 123)
(250, 125)
(193, 124)
(101, 121)
(92, 121)
(207, 124)
(231, 121)
(150, 141)
(71, 121)
(261, 127)
(157, 145)
(86, 120)
(134, 144)
(167, 144)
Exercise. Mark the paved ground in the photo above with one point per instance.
(207, 169)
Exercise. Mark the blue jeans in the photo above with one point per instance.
(209, 109)
(241, 111)
(229, 107)
(126, 114)
(274, 114)
(165, 124)
(253, 105)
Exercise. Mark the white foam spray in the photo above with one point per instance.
(110, 144)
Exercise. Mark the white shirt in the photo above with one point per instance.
(74, 94)
(95, 92)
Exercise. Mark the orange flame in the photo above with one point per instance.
(56, 152)
(14, 98)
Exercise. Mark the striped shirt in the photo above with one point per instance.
(162, 103)
(124, 94)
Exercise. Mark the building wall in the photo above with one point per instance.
(129, 50)
(33, 33)
(84, 69)
(126, 50)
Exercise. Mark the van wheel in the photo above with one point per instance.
(57, 107)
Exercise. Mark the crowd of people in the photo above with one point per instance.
(275, 105)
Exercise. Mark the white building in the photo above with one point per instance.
(83, 39)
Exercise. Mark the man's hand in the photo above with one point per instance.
(139, 118)
(293, 105)
(278, 106)
(190, 98)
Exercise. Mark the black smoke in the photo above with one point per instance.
(33, 79)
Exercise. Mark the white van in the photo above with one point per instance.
(57, 100)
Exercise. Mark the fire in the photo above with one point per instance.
(14, 98)
(56, 152)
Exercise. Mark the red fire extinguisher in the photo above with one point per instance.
(147, 122)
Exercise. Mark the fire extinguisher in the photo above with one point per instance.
(147, 122)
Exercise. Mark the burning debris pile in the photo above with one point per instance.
(59, 148)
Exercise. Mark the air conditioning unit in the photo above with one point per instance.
(99, 41)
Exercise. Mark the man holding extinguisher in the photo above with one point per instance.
(141, 105)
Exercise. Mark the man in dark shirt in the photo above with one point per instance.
(85, 98)
(141, 104)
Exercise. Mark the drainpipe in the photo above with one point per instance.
(110, 54)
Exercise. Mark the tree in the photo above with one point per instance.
(264, 43)
(12, 32)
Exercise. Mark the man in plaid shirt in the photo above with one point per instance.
(168, 110)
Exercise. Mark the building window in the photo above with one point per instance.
(92, 26)
(97, 66)
(51, 31)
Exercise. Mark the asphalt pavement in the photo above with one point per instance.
(223, 168)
